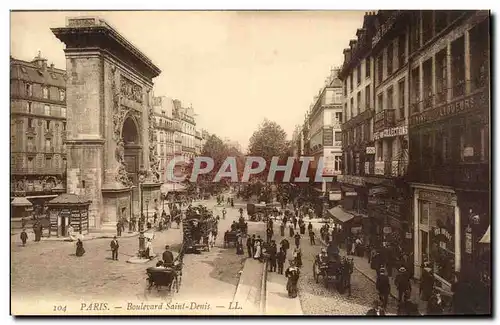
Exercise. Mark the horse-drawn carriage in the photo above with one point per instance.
(334, 270)
(198, 228)
(165, 277)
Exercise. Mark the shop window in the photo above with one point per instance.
(442, 243)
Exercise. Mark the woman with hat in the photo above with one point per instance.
(292, 274)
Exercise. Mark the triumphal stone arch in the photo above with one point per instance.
(111, 151)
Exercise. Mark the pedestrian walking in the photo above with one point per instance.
(403, 285)
(294, 222)
(291, 231)
(285, 245)
(79, 248)
(119, 228)
(114, 249)
(272, 256)
(24, 237)
(282, 229)
(383, 287)
(269, 235)
(297, 239)
(281, 258)
(312, 237)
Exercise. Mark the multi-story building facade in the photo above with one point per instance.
(198, 139)
(357, 134)
(449, 144)
(165, 129)
(38, 126)
(416, 86)
(324, 134)
(185, 135)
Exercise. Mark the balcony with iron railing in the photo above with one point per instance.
(388, 168)
(384, 119)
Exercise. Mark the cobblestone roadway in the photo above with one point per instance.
(317, 300)
(50, 269)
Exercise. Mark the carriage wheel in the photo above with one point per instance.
(178, 282)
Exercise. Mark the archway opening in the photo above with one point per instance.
(132, 148)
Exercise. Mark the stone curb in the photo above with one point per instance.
(263, 285)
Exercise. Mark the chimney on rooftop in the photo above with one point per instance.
(40, 62)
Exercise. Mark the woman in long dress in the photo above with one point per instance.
(149, 249)
(292, 232)
(258, 251)
(79, 248)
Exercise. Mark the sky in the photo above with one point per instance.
(235, 68)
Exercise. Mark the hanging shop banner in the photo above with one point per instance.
(468, 240)
(391, 132)
(370, 150)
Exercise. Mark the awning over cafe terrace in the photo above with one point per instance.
(340, 215)
(21, 202)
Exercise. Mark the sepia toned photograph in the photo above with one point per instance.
(292, 163)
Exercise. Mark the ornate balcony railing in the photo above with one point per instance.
(388, 168)
(384, 119)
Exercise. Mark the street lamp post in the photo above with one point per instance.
(141, 220)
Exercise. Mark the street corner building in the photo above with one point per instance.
(110, 135)
(416, 140)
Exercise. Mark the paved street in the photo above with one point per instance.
(50, 269)
(315, 299)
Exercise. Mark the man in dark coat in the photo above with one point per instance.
(114, 249)
(383, 287)
(269, 233)
(282, 229)
(285, 244)
(281, 258)
(168, 257)
(272, 256)
(250, 243)
(24, 237)
(403, 284)
(119, 228)
(297, 239)
(312, 237)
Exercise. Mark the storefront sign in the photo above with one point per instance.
(387, 230)
(468, 103)
(385, 27)
(327, 137)
(370, 150)
(353, 180)
(434, 196)
(351, 194)
(335, 196)
(391, 132)
(442, 232)
(367, 167)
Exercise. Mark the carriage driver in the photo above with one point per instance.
(168, 257)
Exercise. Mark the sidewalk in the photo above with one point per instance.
(277, 300)
(361, 264)
(89, 236)
(249, 293)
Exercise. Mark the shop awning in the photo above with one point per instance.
(486, 237)
(340, 215)
(172, 187)
(21, 202)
